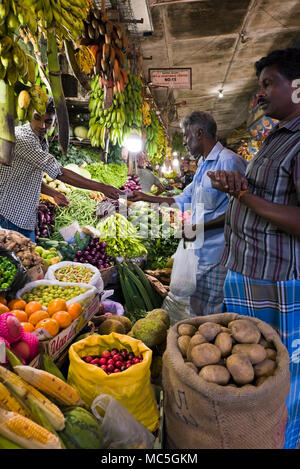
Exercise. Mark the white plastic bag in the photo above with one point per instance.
(183, 278)
(96, 280)
(177, 308)
(121, 430)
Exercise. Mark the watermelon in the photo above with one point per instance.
(82, 430)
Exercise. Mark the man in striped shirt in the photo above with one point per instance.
(262, 226)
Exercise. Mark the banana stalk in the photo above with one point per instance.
(7, 124)
(57, 92)
(81, 76)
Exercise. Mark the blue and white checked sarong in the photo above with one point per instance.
(278, 304)
(208, 296)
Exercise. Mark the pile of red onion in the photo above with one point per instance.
(46, 220)
(133, 183)
(95, 254)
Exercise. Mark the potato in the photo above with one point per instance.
(244, 331)
(264, 368)
(240, 368)
(209, 330)
(255, 352)
(271, 353)
(192, 366)
(215, 374)
(225, 329)
(197, 339)
(186, 329)
(183, 343)
(205, 354)
(224, 342)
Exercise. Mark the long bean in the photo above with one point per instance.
(82, 208)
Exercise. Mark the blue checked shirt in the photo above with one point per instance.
(215, 202)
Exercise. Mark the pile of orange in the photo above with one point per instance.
(31, 315)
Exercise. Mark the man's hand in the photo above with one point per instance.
(111, 192)
(137, 196)
(231, 182)
(61, 199)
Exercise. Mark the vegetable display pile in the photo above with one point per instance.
(133, 183)
(112, 174)
(95, 254)
(74, 274)
(82, 208)
(235, 355)
(46, 220)
(74, 155)
(21, 246)
(8, 272)
(114, 361)
(46, 293)
(121, 237)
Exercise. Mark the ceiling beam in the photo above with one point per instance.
(171, 2)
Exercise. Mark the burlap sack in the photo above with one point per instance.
(202, 415)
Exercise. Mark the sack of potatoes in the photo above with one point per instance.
(233, 355)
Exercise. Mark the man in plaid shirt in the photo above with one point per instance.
(21, 184)
(262, 226)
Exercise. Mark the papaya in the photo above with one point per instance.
(82, 430)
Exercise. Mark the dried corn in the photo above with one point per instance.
(50, 384)
(9, 402)
(25, 432)
(22, 389)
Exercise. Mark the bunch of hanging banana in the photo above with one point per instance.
(15, 64)
(152, 135)
(35, 99)
(105, 121)
(66, 16)
(120, 117)
(146, 114)
(108, 43)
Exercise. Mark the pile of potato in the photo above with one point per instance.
(235, 355)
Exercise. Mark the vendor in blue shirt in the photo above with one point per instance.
(208, 207)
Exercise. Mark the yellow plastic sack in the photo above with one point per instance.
(132, 387)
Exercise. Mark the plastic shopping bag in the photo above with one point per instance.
(121, 430)
(96, 279)
(177, 308)
(132, 387)
(183, 279)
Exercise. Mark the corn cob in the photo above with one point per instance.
(49, 384)
(25, 432)
(23, 390)
(9, 402)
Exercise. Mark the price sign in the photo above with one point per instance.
(171, 77)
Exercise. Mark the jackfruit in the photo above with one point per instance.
(160, 314)
(124, 320)
(151, 332)
(111, 325)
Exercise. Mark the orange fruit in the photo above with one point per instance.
(37, 316)
(3, 300)
(17, 304)
(3, 309)
(56, 305)
(27, 326)
(50, 325)
(63, 319)
(20, 314)
(32, 307)
(75, 310)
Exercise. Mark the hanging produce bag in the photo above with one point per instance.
(183, 279)
(9, 260)
(132, 387)
(95, 280)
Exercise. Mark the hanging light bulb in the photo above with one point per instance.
(133, 142)
(174, 153)
(221, 94)
(176, 162)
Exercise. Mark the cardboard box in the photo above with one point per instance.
(56, 345)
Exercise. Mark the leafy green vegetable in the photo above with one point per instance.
(112, 174)
(75, 155)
